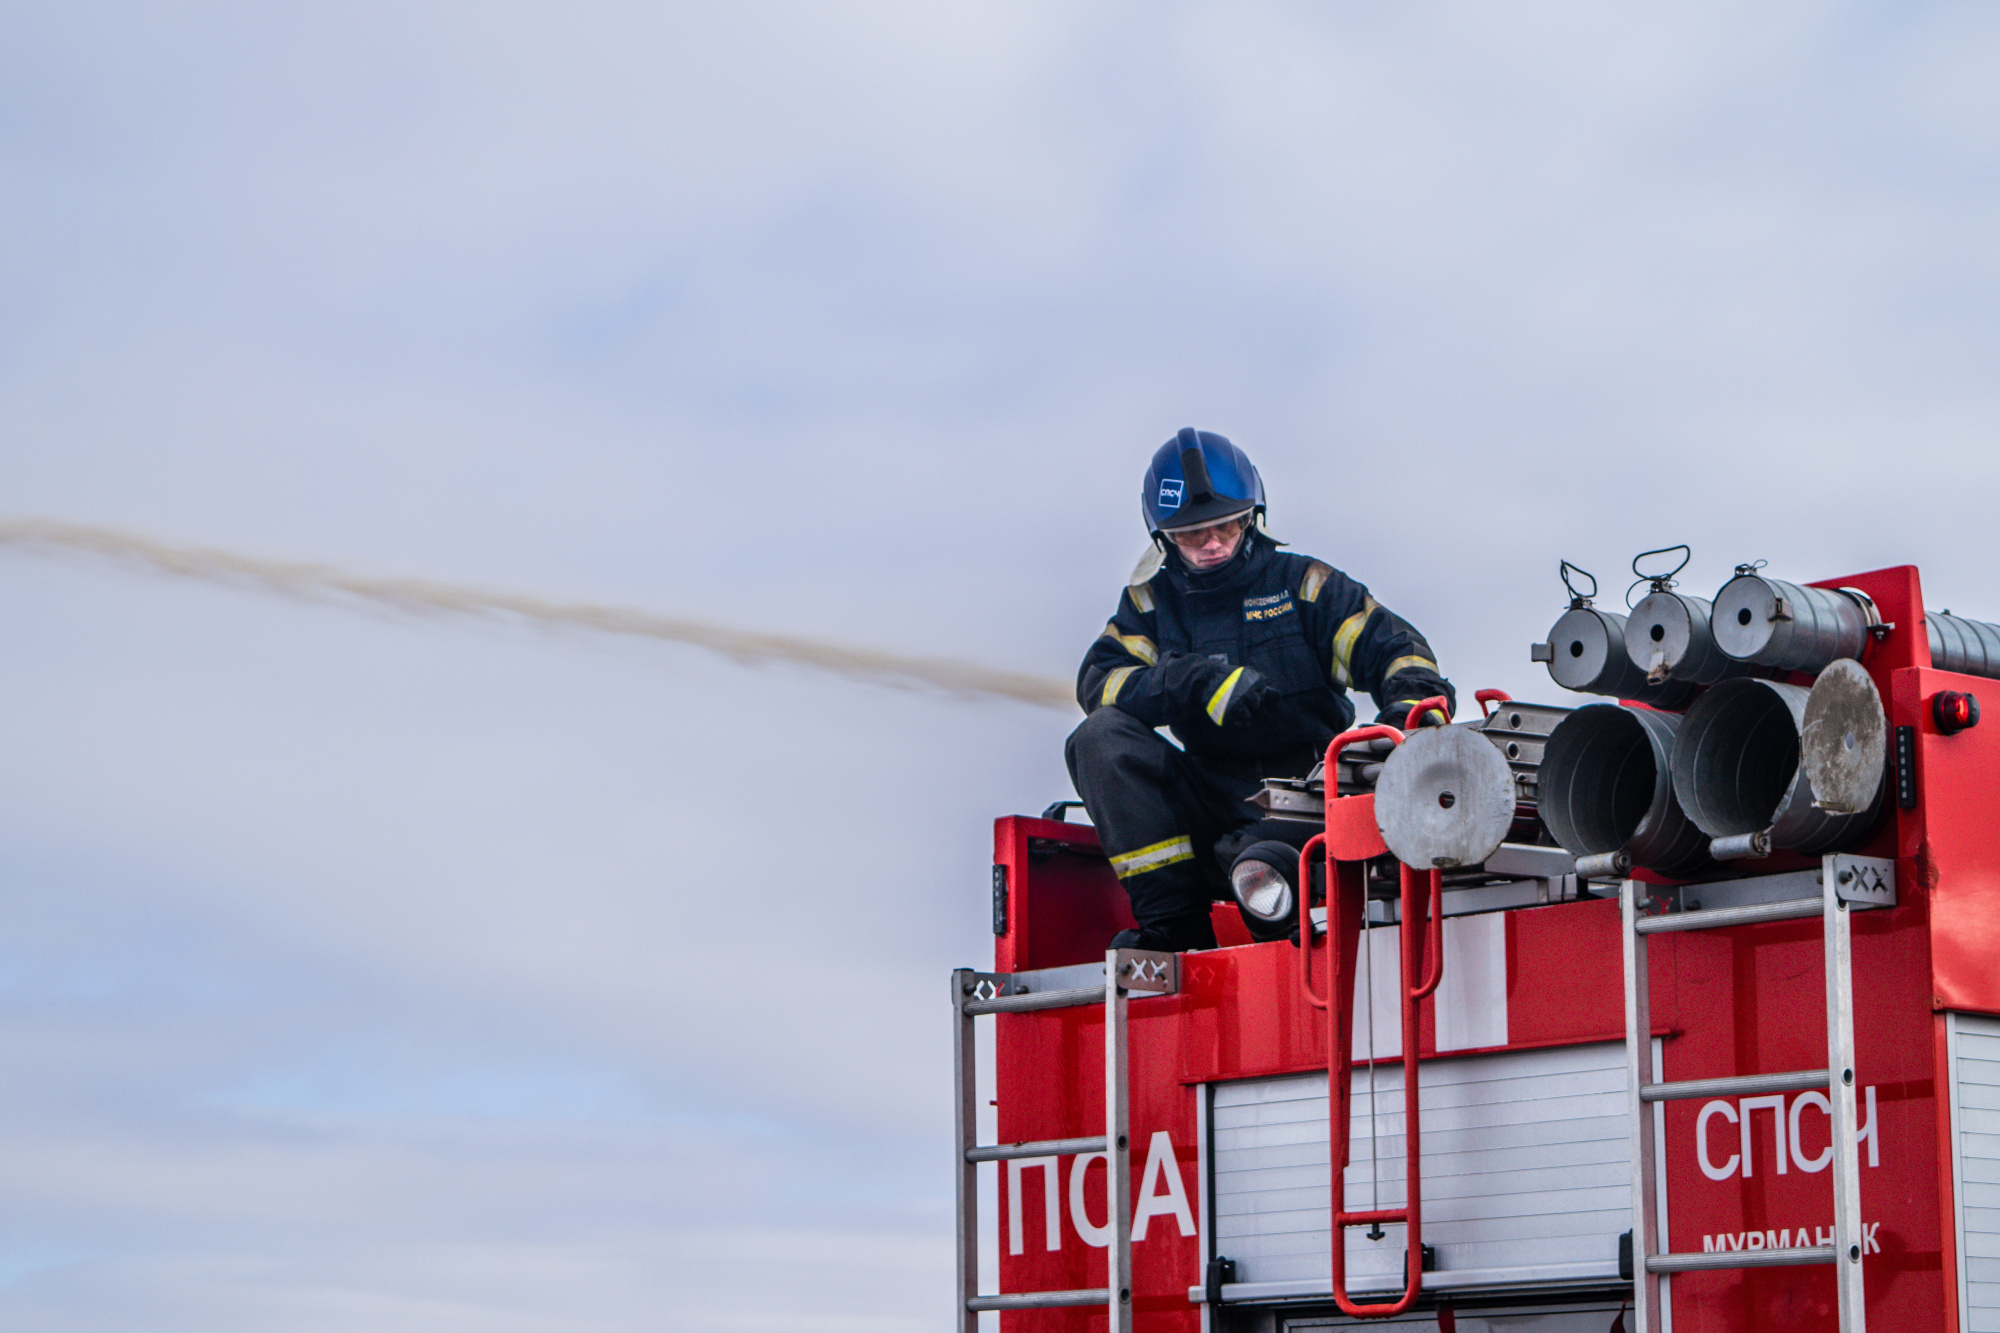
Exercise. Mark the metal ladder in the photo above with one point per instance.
(1844, 880)
(1126, 972)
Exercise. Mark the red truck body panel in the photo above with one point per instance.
(1751, 1174)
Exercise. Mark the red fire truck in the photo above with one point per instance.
(1672, 1013)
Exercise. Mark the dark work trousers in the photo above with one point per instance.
(1171, 823)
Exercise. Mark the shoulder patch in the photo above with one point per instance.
(1267, 608)
(1316, 576)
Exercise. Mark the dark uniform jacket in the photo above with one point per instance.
(1312, 633)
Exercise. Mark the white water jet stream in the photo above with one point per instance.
(426, 597)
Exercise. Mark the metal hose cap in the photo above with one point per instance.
(1789, 627)
(1586, 653)
(1445, 798)
(1665, 633)
(1844, 742)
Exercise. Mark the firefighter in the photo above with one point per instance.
(1245, 652)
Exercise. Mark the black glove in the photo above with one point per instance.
(1253, 697)
(1200, 687)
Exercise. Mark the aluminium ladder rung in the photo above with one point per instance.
(1715, 918)
(1007, 1152)
(1652, 1268)
(1039, 1300)
(1738, 1085)
(1127, 973)
(1041, 999)
(1704, 1261)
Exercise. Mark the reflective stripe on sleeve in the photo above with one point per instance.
(1344, 640)
(1405, 663)
(1142, 597)
(1114, 683)
(1166, 852)
(1315, 579)
(1138, 645)
(1218, 703)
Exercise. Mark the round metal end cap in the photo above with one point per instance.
(1742, 619)
(1658, 634)
(1446, 798)
(1580, 647)
(1844, 742)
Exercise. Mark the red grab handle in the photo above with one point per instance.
(1433, 933)
(1379, 731)
(1422, 706)
(1316, 843)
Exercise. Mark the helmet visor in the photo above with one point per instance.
(1213, 514)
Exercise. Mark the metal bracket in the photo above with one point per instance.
(1876, 629)
(1866, 881)
(1739, 845)
(990, 985)
(1141, 972)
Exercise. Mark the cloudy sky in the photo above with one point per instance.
(364, 971)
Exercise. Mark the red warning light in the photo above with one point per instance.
(1955, 711)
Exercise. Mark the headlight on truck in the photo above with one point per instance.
(1262, 892)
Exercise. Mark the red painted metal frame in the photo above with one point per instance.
(1421, 938)
(1381, 731)
(1744, 1000)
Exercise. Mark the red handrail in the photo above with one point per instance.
(1420, 932)
(1329, 772)
(1434, 933)
(1486, 697)
(1316, 842)
(1437, 701)
(1374, 731)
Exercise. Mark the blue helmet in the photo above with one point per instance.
(1198, 478)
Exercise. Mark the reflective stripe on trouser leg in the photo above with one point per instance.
(1170, 891)
(1166, 852)
(1154, 818)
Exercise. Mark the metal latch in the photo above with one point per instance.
(1221, 1270)
(1143, 972)
(1867, 881)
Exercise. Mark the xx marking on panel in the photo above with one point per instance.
(988, 987)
